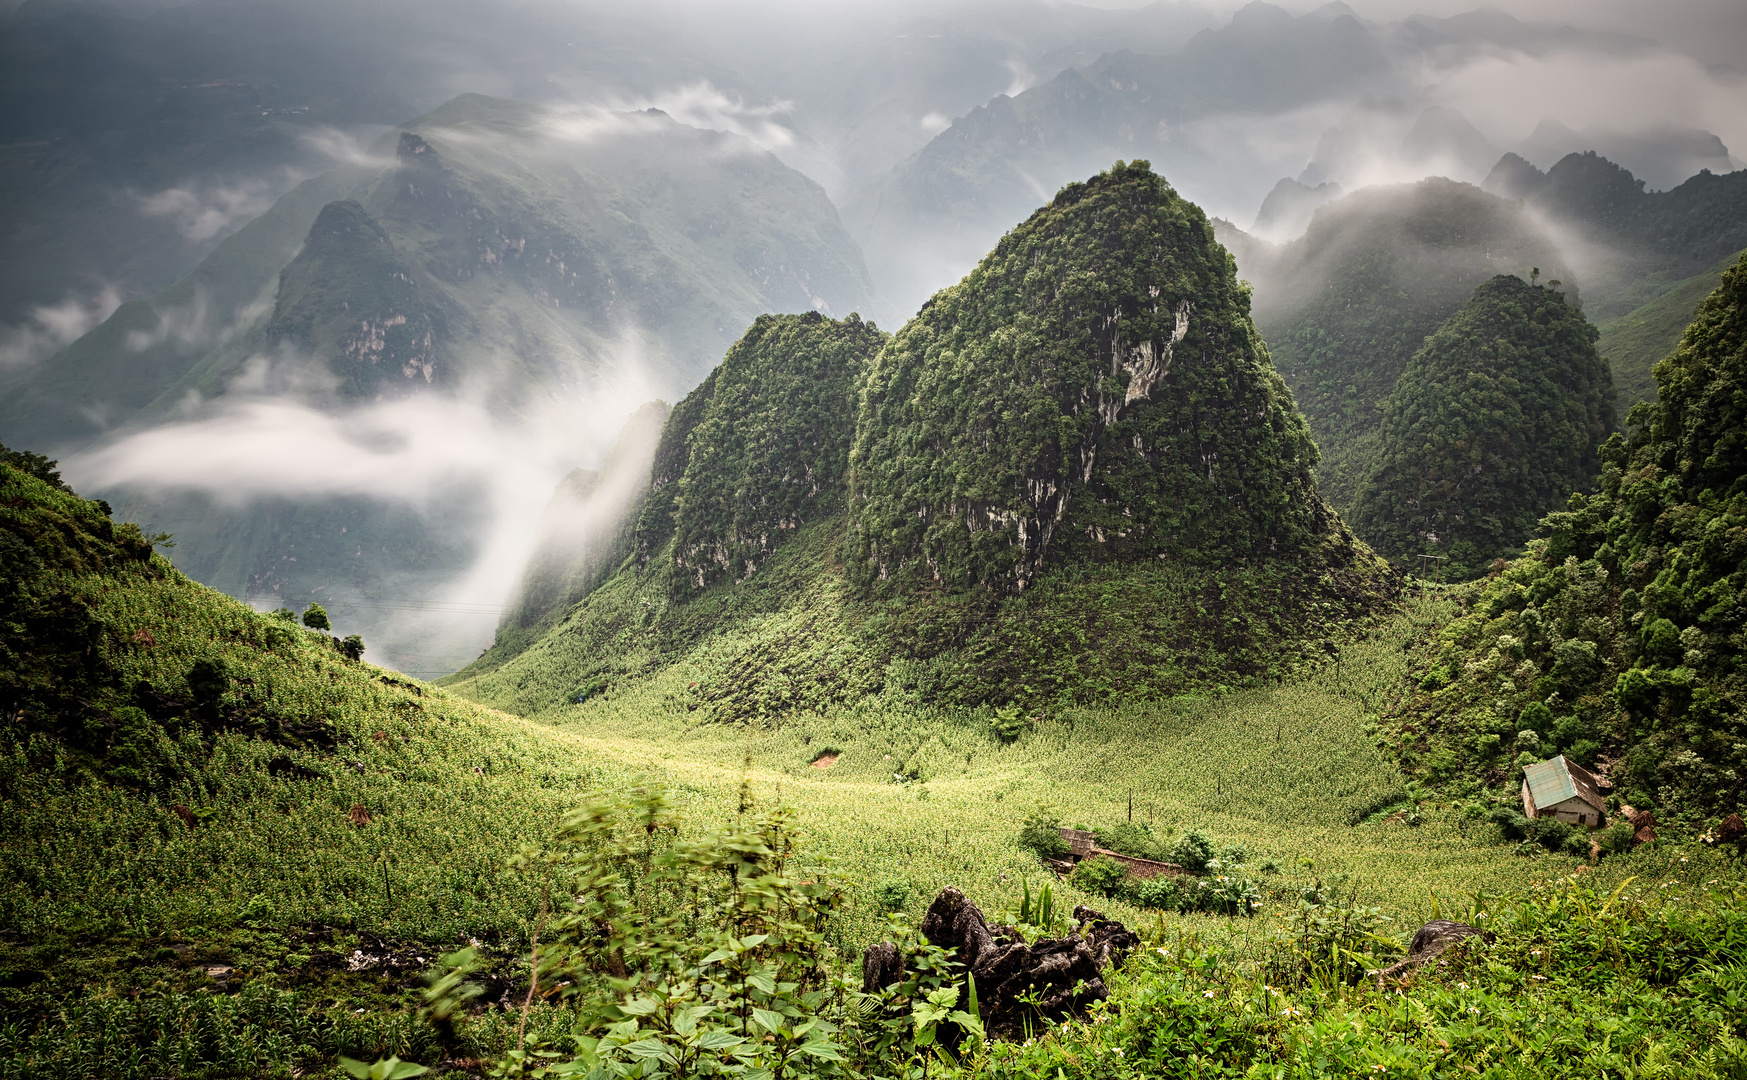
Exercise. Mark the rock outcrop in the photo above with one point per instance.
(1017, 982)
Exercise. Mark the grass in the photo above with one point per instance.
(934, 798)
(1634, 342)
(281, 929)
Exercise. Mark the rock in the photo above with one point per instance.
(881, 966)
(1017, 982)
(1430, 940)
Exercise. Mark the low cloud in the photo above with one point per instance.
(269, 440)
(52, 327)
(202, 212)
(346, 147)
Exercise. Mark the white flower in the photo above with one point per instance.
(1473, 1010)
(1206, 993)
(1461, 986)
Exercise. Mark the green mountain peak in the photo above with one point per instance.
(1093, 390)
(1494, 423)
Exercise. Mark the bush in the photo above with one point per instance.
(1616, 839)
(1162, 893)
(1193, 851)
(316, 617)
(891, 896)
(1100, 875)
(1041, 834)
(1130, 839)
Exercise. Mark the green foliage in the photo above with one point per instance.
(1128, 838)
(1100, 876)
(1494, 422)
(316, 617)
(1354, 298)
(765, 449)
(1041, 912)
(1041, 834)
(1093, 391)
(351, 647)
(1659, 969)
(1623, 620)
(686, 955)
(1192, 851)
(1633, 343)
(386, 1069)
(36, 465)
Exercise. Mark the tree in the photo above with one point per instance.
(1495, 422)
(316, 617)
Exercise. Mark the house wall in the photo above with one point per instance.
(1574, 812)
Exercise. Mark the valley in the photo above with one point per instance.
(992, 539)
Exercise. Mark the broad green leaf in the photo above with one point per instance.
(770, 1021)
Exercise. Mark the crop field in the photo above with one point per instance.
(921, 799)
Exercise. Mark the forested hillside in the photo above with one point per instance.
(1075, 477)
(1650, 241)
(1494, 423)
(1345, 306)
(1617, 638)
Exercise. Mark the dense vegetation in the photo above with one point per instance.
(765, 445)
(1656, 238)
(1064, 489)
(1353, 299)
(256, 907)
(1617, 639)
(1495, 422)
(1093, 391)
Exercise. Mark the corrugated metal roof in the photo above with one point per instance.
(1550, 782)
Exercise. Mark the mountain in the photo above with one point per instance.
(1629, 245)
(1073, 477)
(1664, 157)
(1494, 423)
(513, 262)
(1289, 207)
(1093, 392)
(1386, 138)
(765, 448)
(951, 199)
(1616, 639)
(1634, 342)
(1346, 305)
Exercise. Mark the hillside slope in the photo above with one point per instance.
(1617, 639)
(1633, 343)
(1346, 305)
(521, 263)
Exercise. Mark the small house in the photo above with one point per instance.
(1564, 790)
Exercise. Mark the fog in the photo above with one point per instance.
(893, 109)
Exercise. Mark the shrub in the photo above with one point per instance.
(316, 617)
(1041, 834)
(891, 896)
(1130, 839)
(1100, 875)
(1193, 851)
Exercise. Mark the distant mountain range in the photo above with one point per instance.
(492, 252)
